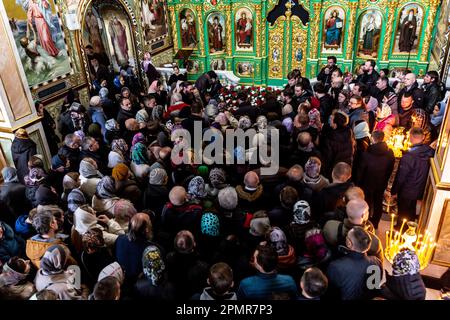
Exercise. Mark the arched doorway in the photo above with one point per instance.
(109, 26)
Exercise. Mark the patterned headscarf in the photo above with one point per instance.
(385, 111)
(210, 224)
(119, 146)
(244, 122)
(196, 187)
(278, 241)
(261, 122)
(84, 219)
(88, 170)
(9, 174)
(405, 262)
(112, 125)
(419, 118)
(54, 260)
(302, 212)
(158, 177)
(10, 277)
(157, 113)
(93, 238)
(217, 178)
(139, 154)
(35, 177)
(153, 264)
(75, 199)
(312, 168)
(138, 137)
(106, 188)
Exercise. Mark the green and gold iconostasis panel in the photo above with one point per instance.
(261, 41)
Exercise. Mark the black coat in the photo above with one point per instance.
(328, 198)
(432, 95)
(12, 194)
(123, 116)
(338, 146)
(407, 287)
(22, 150)
(375, 168)
(326, 107)
(155, 197)
(348, 276)
(246, 109)
(417, 94)
(73, 155)
(413, 172)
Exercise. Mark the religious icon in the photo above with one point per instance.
(153, 19)
(334, 25)
(244, 29)
(39, 39)
(275, 54)
(118, 36)
(298, 55)
(216, 33)
(93, 30)
(408, 31)
(369, 34)
(188, 29)
(192, 66)
(244, 69)
(218, 64)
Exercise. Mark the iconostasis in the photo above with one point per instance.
(261, 41)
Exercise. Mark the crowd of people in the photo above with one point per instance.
(140, 226)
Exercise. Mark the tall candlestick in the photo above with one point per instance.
(403, 224)
(392, 227)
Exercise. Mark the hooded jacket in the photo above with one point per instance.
(208, 294)
(250, 200)
(184, 217)
(22, 150)
(412, 172)
(339, 146)
(405, 287)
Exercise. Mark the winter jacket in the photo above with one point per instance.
(431, 96)
(417, 93)
(36, 247)
(208, 294)
(123, 116)
(62, 284)
(263, 286)
(12, 194)
(73, 155)
(338, 146)
(21, 151)
(406, 287)
(412, 172)
(375, 168)
(155, 197)
(335, 233)
(347, 276)
(328, 198)
(10, 244)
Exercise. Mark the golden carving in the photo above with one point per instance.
(315, 30)
(387, 39)
(228, 36)
(276, 44)
(200, 30)
(351, 30)
(380, 4)
(258, 33)
(429, 30)
(299, 42)
(173, 26)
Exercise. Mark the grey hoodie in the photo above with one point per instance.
(208, 294)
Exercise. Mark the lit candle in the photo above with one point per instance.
(403, 224)
(387, 240)
(417, 243)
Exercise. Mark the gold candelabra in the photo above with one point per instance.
(398, 141)
(422, 245)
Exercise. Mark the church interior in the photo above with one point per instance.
(349, 96)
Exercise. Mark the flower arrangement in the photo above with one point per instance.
(228, 96)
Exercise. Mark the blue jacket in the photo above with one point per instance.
(262, 286)
(10, 245)
(412, 172)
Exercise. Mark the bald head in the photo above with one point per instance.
(177, 196)
(354, 193)
(409, 79)
(342, 172)
(251, 179)
(304, 138)
(295, 173)
(357, 211)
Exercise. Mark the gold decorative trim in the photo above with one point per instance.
(276, 44)
(299, 42)
(351, 30)
(258, 34)
(429, 30)
(201, 28)
(388, 34)
(173, 26)
(315, 29)
(228, 33)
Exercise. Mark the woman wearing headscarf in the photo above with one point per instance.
(140, 162)
(13, 196)
(287, 258)
(13, 280)
(156, 192)
(153, 285)
(160, 95)
(89, 177)
(126, 186)
(118, 153)
(33, 180)
(85, 219)
(70, 182)
(196, 190)
(385, 120)
(209, 238)
(10, 244)
(112, 130)
(105, 197)
(95, 255)
(53, 275)
(22, 148)
(312, 177)
(405, 283)
(300, 224)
